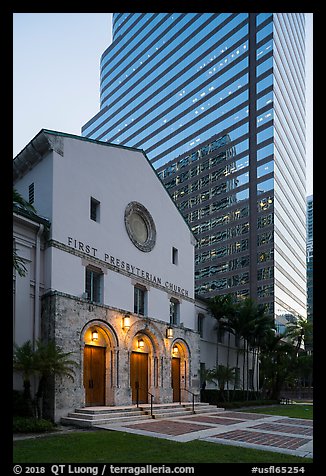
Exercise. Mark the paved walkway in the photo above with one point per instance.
(251, 430)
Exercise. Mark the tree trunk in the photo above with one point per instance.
(39, 397)
(28, 397)
(217, 356)
(227, 364)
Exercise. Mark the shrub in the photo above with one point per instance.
(20, 405)
(251, 403)
(214, 396)
(237, 398)
(32, 425)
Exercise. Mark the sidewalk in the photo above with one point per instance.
(251, 430)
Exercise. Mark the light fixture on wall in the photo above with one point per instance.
(94, 335)
(126, 321)
(175, 350)
(140, 343)
(169, 332)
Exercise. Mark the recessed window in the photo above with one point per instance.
(175, 256)
(174, 311)
(200, 324)
(94, 209)
(140, 294)
(94, 284)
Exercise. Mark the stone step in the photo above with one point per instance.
(92, 416)
(104, 409)
(103, 416)
(86, 422)
(109, 412)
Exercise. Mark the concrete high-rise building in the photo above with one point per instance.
(217, 102)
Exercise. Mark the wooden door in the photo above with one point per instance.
(94, 375)
(139, 377)
(176, 379)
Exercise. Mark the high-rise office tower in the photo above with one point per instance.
(310, 255)
(217, 102)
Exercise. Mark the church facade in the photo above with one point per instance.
(110, 276)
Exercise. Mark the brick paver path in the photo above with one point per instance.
(258, 438)
(298, 430)
(295, 421)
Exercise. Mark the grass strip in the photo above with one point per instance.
(102, 446)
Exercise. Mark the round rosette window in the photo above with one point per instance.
(140, 226)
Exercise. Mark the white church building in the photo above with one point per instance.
(110, 276)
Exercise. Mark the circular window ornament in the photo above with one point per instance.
(140, 226)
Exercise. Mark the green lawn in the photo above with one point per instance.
(118, 447)
(101, 446)
(293, 410)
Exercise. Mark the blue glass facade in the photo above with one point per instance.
(216, 100)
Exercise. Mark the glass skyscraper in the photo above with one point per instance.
(310, 256)
(217, 102)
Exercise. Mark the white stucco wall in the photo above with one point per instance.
(26, 323)
(114, 176)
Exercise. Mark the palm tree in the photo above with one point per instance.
(238, 324)
(222, 309)
(220, 375)
(263, 325)
(20, 204)
(250, 323)
(45, 361)
(276, 363)
(299, 331)
(23, 362)
(51, 361)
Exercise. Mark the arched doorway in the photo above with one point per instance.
(147, 351)
(98, 364)
(176, 382)
(94, 375)
(179, 371)
(139, 369)
(176, 373)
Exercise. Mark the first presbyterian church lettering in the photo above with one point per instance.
(123, 265)
(118, 263)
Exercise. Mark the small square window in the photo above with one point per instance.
(95, 210)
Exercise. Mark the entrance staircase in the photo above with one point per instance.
(88, 417)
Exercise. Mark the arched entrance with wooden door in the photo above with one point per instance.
(139, 377)
(98, 364)
(179, 371)
(145, 344)
(94, 375)
(139, 368)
